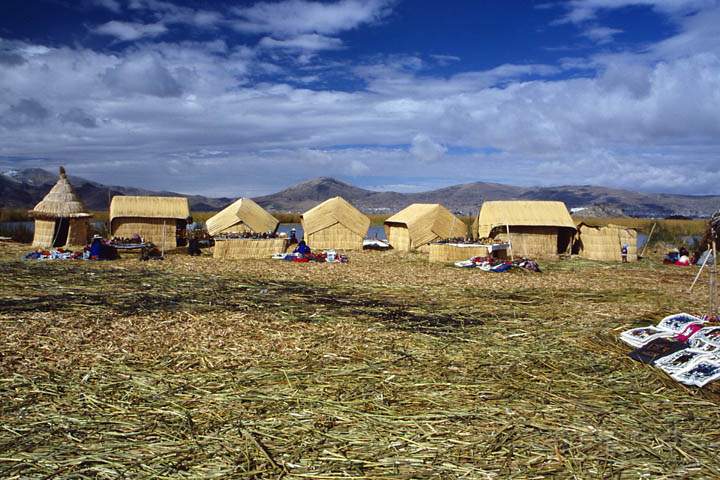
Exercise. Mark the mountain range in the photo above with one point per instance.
(24, 188)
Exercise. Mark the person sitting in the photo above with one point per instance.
(302, 248)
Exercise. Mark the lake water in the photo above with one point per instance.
(375, 231)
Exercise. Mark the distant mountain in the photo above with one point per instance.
(24, 188)
(467, 198)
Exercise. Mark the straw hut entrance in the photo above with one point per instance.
(421, 224)
(536, 228)
(596, 242)
(335, 224)
(242, 216)
(160, 220)
(61, 219)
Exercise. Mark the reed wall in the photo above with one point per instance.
(244, 248)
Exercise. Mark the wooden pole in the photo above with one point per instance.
(713, 283)
(699, 272)
(647, 241)
(507, 227)
(162, 249)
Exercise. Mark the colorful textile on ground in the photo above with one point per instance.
(490, 264)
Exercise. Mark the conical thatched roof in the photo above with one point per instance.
(60, 202)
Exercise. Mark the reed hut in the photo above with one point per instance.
(242, 216)
(61, 219)
(534, 228)
(335, 224)
(421, 224)
(160, 220)
(598, 242)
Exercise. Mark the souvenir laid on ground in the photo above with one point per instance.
(54, 254)
(328, 256)
(700, 373)
(666, 328)
(490, 264)
(706, 340)
(679, 361)
(656, 349)
(681, 346)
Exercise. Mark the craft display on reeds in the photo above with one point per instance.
(692, 348)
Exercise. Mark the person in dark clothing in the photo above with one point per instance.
(302, 248)
(193, 230)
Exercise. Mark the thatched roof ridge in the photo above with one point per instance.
(428, 221)
(149, 207)
(60, 202)
(243, 211)
(522, 213)
(332, 211)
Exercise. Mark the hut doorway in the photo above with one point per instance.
(564, 240)
(60, 233)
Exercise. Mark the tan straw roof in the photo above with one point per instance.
(243, 211)
(522, 213)
(332, 211)
(149, 207)
(60, 202)
(428, 221)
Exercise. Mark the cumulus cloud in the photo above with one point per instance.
(128, 31)
(629, 120)
(295, 17)
(425, 149)
(142, 74)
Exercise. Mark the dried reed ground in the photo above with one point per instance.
(388, 367)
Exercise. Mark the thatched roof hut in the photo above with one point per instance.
(604, 242)
(61, 219)
(160, 220)
(420, 224)
(242, 216)
(536, 228)
(335, 224)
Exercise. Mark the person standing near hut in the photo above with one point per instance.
(624, 253)
(193, 231)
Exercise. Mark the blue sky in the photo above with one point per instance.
(244, 98)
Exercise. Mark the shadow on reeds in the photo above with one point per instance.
(67, 287)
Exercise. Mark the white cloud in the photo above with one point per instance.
(311, 41)
(601, 35)
(128, 31)
(112, 5)
(294, 17)
(579, 11)
(640, 120)
(425, 149)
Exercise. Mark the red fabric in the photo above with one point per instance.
(689, 331)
